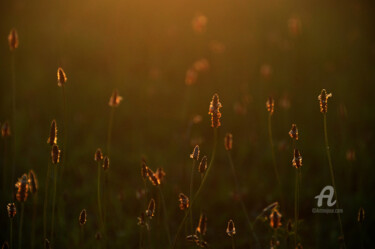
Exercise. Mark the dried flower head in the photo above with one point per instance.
(199, 23)
(13, 39)
(115, 99)
(195, 154)
(323, 99)
(23, 188)
(202, 226)
(150, 212)
(159, 174)
(55, 154)
(201, 65)
(12, 210)
(270, 104)
(270, 207)
(106, 163)
(231, 230)
(61, 77)
(192, 238)
(203, 165)
(191, 76)
(293, 133)
(151, 176)
(33, 182)
(297, 159)
(82, 217)
(47, 245)
(5, 245)
(361, 215)
(228, 141)
(144, 169)
(184, 201)
(201, 243)
(275, 219)
(52, 139)
(98, 155)
(5, 129)
(214, 111)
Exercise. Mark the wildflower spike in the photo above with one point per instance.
(115, 99)
(98, 155)
(228, 141)
(293, 133)
(202, 226)
(33, 182)
(231, 230)
(203, 165)
(82, 217)
(270, 104)
(23, 188)
(184, 201)
(214, 111)
(297, 159)
(150, 212)
(55, 154)
(323, 99)
(13, 40)
(61, 77)
(52, 139)
(106, 163)
(12, 210)
(195, 154)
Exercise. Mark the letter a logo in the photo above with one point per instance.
(329, 196)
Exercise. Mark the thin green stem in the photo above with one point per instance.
(13, 68)
(46, 202)
(233, 244)
(251, 226)
(35, 202)
(64, 123)
(5, 165)
(99, 198)
(165, 215)
(109, 135)
(192, 201)
(332, 175)
(11, 233)
(53, 201)
(191, 193)
(21, 224)
(140, 238)
(296, 209)
(272, 149)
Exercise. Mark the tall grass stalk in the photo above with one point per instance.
(272, 149)
(46, 201)
(99, 197)
(53, 201)
(250, 224)
(166, 226)
(11, 233)
(5, 164)
(332, 176)
(296, 209)
(191, 193)
(13, 69)
(233, 244)
(21, 224)
(35, 202)
(109, 134)
(192, 201)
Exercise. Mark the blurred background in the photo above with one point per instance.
(167, 58)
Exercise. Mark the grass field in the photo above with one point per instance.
(166, 60)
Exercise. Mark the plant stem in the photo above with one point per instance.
(99, 199)
(233, 244)
(45, 202)
(140, 238)
(199, 189)
(251, 226)
(332, 175)
(53, 201)
(35, 201)
(165, 216)
(11, 233)
(191, 193)
(109, 135)
(21, 224)
(5, 166)
(272, 149)
(296, 209)
(13, 68)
